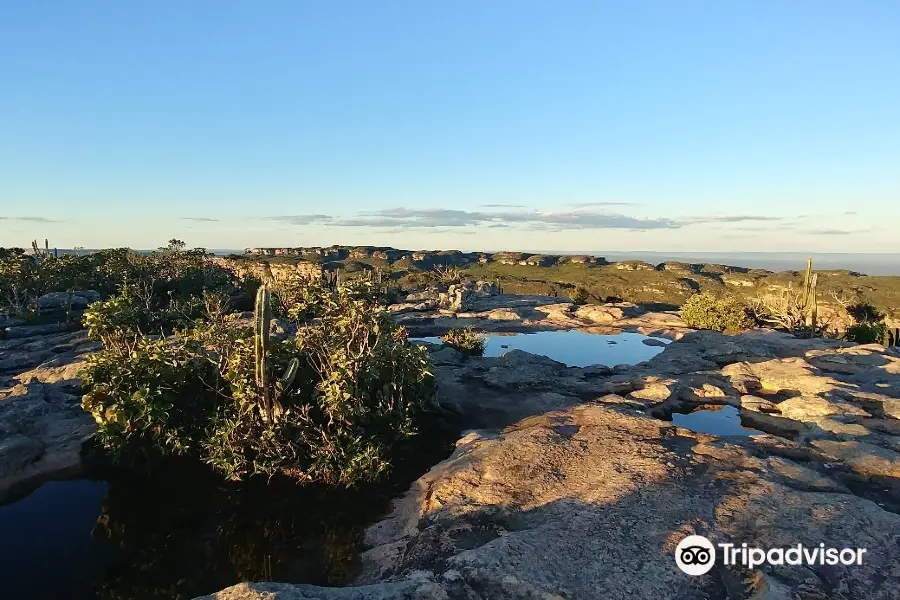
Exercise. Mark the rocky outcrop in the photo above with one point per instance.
(42, 425)
(570, 488)
(590, 502)
(78, 299)
(464, 296)
(487, 310)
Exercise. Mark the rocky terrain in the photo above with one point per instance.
(42, 425)
(573, 482)
(667, 283)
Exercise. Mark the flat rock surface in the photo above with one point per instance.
(42, 425)
(509, 312)
(570, 488)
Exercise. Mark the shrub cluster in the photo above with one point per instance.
(154, 280)
(868, 324)
(580, 295)
(706, 311)
(467, 341)
(327, 405)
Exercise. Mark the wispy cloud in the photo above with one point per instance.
(502, 205)
(590, 204)
(32, 219)
(547, 221)
(200, 219)
(729, 219)
(300, 219)
(441, 220)
(834, 231)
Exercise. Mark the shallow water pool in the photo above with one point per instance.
(148, 539)
(723, 421)
(184, 532)
(573, 348)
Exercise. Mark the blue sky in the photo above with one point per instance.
(672, 126)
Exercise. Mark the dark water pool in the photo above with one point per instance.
(188, 533)
(573, 348)
(722, 421)
(143, 538)
(46, 538)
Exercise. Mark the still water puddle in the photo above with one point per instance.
(151, 539)
(186, 533)
(722, 421)
(573, 348)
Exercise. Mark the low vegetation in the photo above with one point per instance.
(580, 295)
(666, 286)
(467, 341)
(868, 326)
(321, 385)
(707, 311)
(327, 404)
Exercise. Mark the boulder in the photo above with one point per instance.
(59, 300)
(42, 429)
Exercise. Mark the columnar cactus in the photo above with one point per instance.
(810, 306)
(270, 395)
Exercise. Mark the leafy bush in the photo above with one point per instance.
(447, 274)
(580, 295)
(150, 401)
(706, 311)
(169, 276)
(328, 405)
(864, 312)
(122, 320)
(865, 332)
(868, 325)
(466, 340)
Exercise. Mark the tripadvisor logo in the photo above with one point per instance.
(696, 555)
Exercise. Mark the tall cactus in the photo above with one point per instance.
(38, 252)
(810, 305)
(271, 395)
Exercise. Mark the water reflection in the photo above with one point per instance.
(724, 420)
(573, 348)
(187, 533)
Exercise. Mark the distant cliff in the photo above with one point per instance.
(423, 258)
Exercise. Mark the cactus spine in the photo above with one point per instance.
(271, 395)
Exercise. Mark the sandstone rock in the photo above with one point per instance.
(42, 429)
(23, 331)
(600, 313)
(806, 407)
(413, 589)
(517, 369)
(755, 403)
(891, 408)
(653, 392)
(772, 424)
(589, 503)
(865, 459)
(59, 300)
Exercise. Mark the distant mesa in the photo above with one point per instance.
(423, 258)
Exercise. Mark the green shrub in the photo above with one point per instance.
(357, 388)
(467, 341)
(151, 401)
(580, 295)
(866, 332)
(706, 311)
